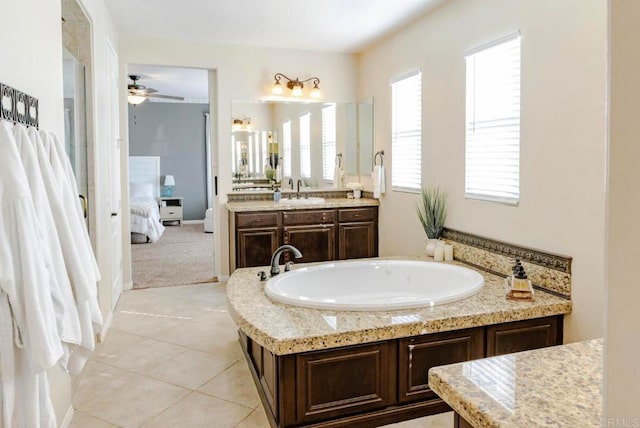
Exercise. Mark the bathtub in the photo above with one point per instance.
(374, 285)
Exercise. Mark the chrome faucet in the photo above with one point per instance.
(275, 259)
(298, 191)
(291, 183)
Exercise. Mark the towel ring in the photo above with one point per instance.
(375, 157)
(339, 160)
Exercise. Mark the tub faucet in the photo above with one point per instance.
(298, 191)
(275, 259)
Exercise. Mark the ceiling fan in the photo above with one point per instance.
(137, 94)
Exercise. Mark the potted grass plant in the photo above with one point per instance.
(432, 212)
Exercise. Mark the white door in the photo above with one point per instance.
(114, 173)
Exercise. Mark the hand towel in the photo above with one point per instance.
(378, 181)
(338, 174)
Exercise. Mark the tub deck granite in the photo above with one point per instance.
(285, 329)
(559, 386)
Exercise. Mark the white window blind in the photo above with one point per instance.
(492, 169)
(286, 149)
(305, 145)
(406, 133)
(328, 141)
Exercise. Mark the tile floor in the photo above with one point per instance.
(172, 358)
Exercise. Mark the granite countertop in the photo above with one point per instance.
(249, 206)
(285, 329)
(559, 386)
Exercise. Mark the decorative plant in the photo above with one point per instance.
(432, 211)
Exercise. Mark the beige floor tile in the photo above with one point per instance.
(80, 420)
(234, 384)
(200, 411)
(442, 420)
(123, 398)
(147, 323)
(257, 419)
(205, 337)
(191, 369)
(141, 357)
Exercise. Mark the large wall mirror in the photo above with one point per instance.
(277, 143)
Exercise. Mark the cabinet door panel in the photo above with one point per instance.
(357, 240)
(523, 336)
(418, 354)
(317, 243)
(256, 246)
(342, 382)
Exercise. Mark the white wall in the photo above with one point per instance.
(32, 63)
(242, 73)
(562, 187)
(622, 352)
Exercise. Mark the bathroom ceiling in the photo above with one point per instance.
(319, 25)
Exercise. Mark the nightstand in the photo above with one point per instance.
(173, 209)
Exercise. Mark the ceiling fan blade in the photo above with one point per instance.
(168, 97)
(151, 90)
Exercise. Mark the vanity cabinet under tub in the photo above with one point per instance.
(322, 234)
(381, 382)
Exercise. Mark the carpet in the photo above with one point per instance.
(183, 255)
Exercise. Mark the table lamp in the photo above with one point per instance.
(169, 182)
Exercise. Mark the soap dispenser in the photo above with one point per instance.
(277, 194)
(518, 285)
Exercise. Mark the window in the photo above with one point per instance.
(305, 145)
(492, 169)
(328, 141)
(406, 132)
(286, 149)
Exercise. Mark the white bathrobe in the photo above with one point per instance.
(23, 279)
(78, 263)
(64, 303)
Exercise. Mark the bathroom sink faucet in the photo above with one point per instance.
(298, 191)
(275, 259)
(291, 183)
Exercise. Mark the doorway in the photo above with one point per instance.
(170, 164)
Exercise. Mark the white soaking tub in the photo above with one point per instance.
(374, 285)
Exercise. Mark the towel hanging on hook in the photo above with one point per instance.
(375, 157)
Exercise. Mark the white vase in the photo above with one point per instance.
(431, 245)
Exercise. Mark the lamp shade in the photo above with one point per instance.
(169, 180)
(135, 99)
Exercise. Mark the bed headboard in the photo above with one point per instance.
(145, 169)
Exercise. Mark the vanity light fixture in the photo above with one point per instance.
(295, 85)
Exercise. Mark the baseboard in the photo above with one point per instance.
(223, 278)
(193, 221)
(68, 418)
(106, 324)
(127, 286)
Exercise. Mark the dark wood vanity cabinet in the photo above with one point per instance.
(321, 235)
(378, 383)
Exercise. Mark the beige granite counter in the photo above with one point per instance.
(559, 386)
(285, 329)
(250, 206)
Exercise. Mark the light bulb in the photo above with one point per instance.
(276, 89)
(315, 92)
(296, 91)
(136, 99)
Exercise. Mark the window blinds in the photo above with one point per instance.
(328, 141)
(286, 148)
(406, 133)
(305, 145)
(492, 170)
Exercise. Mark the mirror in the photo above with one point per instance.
(276, 143)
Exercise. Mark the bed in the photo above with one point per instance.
(144, 188)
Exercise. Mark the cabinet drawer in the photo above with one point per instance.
(256, 220)
(525, 335)
(357, 214)
(167, 213)
(308, 217)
